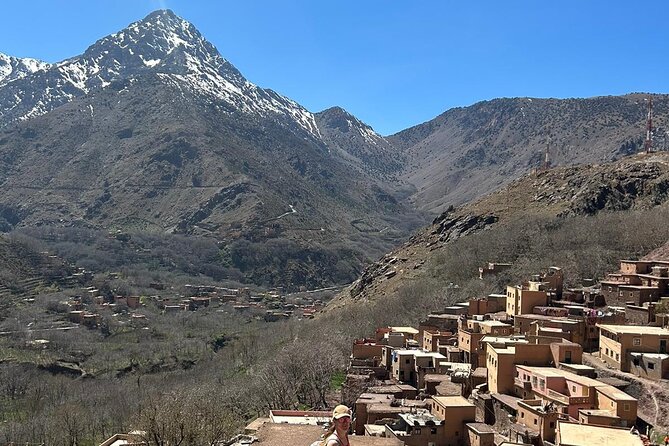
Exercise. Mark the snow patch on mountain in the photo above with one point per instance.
(12, 68)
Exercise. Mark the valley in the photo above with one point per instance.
(183, 251)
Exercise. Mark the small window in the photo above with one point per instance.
(433, 431)
(626, 407)
(651, 366)
(535, 421)
(636, 341)
(417, 431)
(522, 415)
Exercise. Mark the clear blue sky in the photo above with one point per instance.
(391, 63)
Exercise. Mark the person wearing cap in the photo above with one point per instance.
(337, 435)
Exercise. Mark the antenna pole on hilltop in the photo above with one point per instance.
(648, 143)
(547, 161)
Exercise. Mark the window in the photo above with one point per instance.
(522, 415)
(433, 431)
(651, 366)
(573, 389)
(626, 407)
(636, 341)
(617, 356)
(417, 431)
(535, 421)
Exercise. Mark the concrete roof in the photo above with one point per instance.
(374, 398)
(300, 417)
(375, 429)
(421, 418)
(599, 413)
(661, 356)
(494, 323)
(504, 351)
(505, 339)
(577, 366)
(572, 434)
(507, 400)
(273, 434)
(452, 401)
(553, 372)
(615, 394)
(635, 329)
(404, 330)
(435, 377)
(481, 428)
(434, 355)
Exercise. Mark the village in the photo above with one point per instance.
(271, 306)
(541, 364)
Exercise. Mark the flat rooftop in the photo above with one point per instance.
(374, 398)
(300, 417)
(481, 428)
(494, 323)
(660, 356)
(410, 330)
(615, 394)
(505, 339)
(273, 434)
(504, 351)
(635, 329)
(452, 401)
(572, 434)
(553, 372)
(599, 413)
(421, 418)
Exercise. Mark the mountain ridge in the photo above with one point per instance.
(468, 151)
(152, 151)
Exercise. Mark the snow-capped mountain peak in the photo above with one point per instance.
(161, 44)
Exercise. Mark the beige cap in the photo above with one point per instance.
(341, 411)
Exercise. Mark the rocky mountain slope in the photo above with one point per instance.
(637, 182)
(467, 152)
(151, 129)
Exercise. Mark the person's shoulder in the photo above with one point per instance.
(333, 441)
